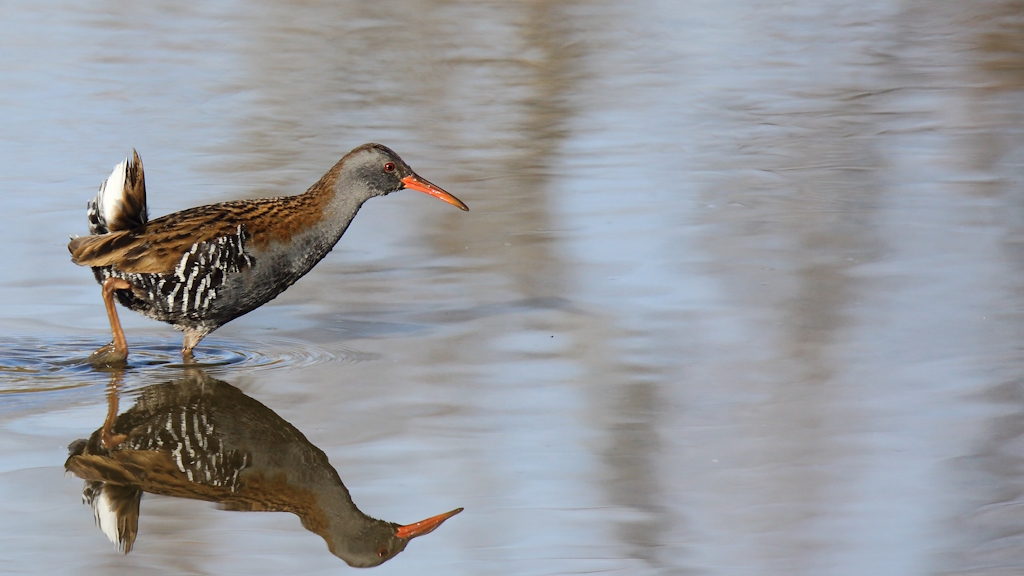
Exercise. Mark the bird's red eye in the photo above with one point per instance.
(389, 167)
(384, 551)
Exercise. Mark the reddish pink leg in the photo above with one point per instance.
(116, 352)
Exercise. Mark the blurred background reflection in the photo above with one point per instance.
(740, 290)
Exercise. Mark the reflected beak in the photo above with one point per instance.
(425, 526)
(414, 182)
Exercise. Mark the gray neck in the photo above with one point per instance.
(339, 196)
(345, 194)
(349, 534)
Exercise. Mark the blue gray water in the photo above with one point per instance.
(740, 290)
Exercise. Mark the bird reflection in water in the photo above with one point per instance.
(204, 439)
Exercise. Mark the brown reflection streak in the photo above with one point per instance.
(1000, 43)
(623, 394)
(983, 525)
(786, 251)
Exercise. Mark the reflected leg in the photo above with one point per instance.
(107, 436)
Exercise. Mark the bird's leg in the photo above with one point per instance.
(107, 436)
(116, 352)
(192, 337)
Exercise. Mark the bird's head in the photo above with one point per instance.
(377, 541)
(383, 172)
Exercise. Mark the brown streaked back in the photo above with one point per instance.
(158, 246)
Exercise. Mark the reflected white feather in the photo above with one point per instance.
(106, 517)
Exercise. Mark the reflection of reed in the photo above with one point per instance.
(982, 523)
(201, 438)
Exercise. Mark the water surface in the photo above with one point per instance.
(739, 291)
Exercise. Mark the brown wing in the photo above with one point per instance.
(150, 470)
(100, 468)
(158, 246)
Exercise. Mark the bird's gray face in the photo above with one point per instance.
(385, 550)
(381, 169)
(373, 545)
(385, 173)
(379, 541)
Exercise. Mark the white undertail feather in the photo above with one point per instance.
(121, 201)
(112, 191)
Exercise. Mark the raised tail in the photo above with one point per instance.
(121, 201)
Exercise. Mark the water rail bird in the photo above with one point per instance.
(202, 267)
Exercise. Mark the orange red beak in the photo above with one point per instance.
(425, 526)
(414, 182)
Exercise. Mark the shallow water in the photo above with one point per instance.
(739, 291)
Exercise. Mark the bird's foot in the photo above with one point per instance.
(109, 356)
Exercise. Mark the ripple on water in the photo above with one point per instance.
(40, 365)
